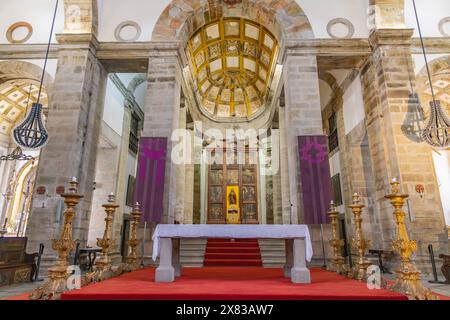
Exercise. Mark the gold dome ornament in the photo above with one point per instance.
(408, 276)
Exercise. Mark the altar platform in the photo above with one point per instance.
(230, 283)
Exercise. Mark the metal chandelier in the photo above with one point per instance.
(31, 133)
(437, 128)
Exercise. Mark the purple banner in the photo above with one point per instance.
(315, 177)
(149, 191)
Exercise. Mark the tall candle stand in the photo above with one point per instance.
(408, 276)
(103, 267)
(359, 243)
(132, 260)
(59, 273)
(336, 244)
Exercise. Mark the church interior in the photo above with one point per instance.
(165, 149)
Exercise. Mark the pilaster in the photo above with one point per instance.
(388, 81)
(73, 123)
(162, 111)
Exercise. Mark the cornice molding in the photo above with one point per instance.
(116, 51)
(397, 37)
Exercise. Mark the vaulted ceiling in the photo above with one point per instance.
(232, 60)
(16, 97)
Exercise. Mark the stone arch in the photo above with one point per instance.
(440, 74)
(284, 18)
(19, 80)
(10, 70)
(137, 81)
(80, 16)
(331, 81)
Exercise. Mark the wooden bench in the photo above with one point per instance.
(445, 267)
(16, 266)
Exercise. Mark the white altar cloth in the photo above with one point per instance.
(241, 231)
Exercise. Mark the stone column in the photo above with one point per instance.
(189, 184)
(74, 121)
(122, 180)
(162, 111)
(284, 173)
(389, 84)
(181, 172)
(5, 168)
(276, 185)
(303, 116)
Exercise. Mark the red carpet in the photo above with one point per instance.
(239, 252)
(231, 283)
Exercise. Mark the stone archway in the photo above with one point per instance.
(440, 74)
(284, 18)
(11, 70)
(19, 83)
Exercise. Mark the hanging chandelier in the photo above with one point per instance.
(31, 133)
(16, 155)
(437, 128)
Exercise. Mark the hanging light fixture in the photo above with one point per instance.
(17, 154)
(437, 128)
(31, 133)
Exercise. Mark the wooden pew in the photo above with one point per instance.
(16, 266)
(445, 267)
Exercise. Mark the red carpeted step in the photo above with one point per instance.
(234, 262)
(233, 255)
(212, 240)
(236, 252)
(234, 244)
(232, 250)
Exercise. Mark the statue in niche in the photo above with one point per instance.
(232, 199)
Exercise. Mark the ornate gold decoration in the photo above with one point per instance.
(359, 243)
(232, 60)
(336, 244)
(408, 276)
(132, 263)
(103, 268)
(58, 274)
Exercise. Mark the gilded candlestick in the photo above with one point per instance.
(103, 266)
(359, 243)
(336, 244)
(59, 273)
(132, 262)
(408, 276)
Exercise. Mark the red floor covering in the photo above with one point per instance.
(232, 252)
(229, 283)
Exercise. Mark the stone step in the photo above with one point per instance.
(192, 252)
(272, 252)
